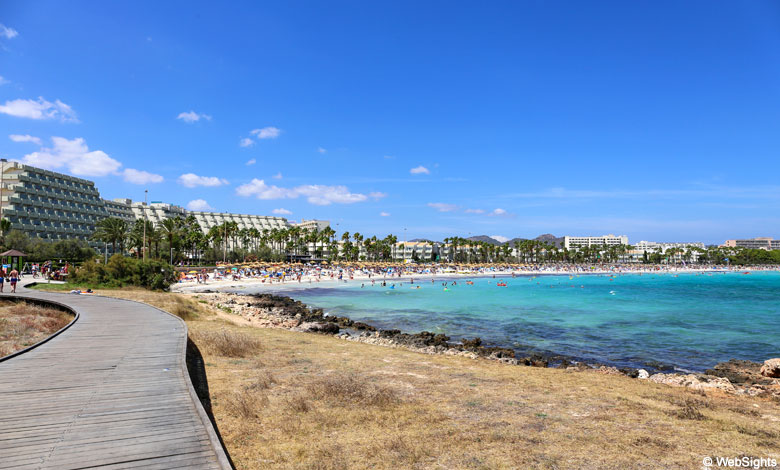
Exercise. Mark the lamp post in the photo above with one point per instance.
(3, 161)
(146, 206)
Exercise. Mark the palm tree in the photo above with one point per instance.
(111, 230)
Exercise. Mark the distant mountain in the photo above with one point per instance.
(551, 239)
(547, 238)
(486, 239)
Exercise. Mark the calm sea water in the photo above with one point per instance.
(689, 321)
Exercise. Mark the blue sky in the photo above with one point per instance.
(658, 120)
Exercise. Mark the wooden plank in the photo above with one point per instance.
(110, 391)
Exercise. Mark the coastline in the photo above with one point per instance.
(277, 310)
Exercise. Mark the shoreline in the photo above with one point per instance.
(308, 281)
(272, 310)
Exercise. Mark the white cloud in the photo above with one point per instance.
(420, 170)
(251, 162)
(192, 116)
(317, 194)
(3, 81)
(192, 180)
(278, 176)
(474, 211)
(377, 195)
(442, 207)
(266, 132)
(140, 177)
(500, 238)
(322, 150)
(8, 33)
(246, 142)
(281, 211)
(25, 138)
(384, 214)
(388, 157)
(40, 109)
(199, 205)
(498, 212)
(75, 156)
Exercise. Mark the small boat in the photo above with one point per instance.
(501, 284)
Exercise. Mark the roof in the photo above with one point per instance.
(13, 253)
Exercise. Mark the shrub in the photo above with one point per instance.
(121, 272)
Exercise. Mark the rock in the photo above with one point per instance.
(771, 368)
(658, 366)
(609, 370)
(739, 371)
(642, 374)
(534, 361)
(317, 327)
(694, 381)
(472, 343)
(633, 373)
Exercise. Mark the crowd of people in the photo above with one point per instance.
(310, 273)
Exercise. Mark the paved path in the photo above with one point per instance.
(111, 391)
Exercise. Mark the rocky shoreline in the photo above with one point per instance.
(276, 311)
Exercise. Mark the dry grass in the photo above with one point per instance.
(245, 404)
(317, 402)
(351, 389)
(23, 324)
(226, 343)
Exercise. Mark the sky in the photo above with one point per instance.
(654, 119)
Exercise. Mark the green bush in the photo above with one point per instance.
(121, 271)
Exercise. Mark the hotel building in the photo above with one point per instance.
(579, 242)
(49, 205)
(760, 243)
(55, 206)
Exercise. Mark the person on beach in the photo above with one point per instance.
(2, 278)
(14, 277)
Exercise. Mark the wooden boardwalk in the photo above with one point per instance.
(112, 391)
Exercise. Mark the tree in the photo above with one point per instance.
(111, 230)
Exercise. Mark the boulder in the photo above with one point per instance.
(642, 374)
(738, 371)
(771, 368)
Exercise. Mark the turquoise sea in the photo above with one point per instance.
(686, 321)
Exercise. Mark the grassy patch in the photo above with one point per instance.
(23, 324)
